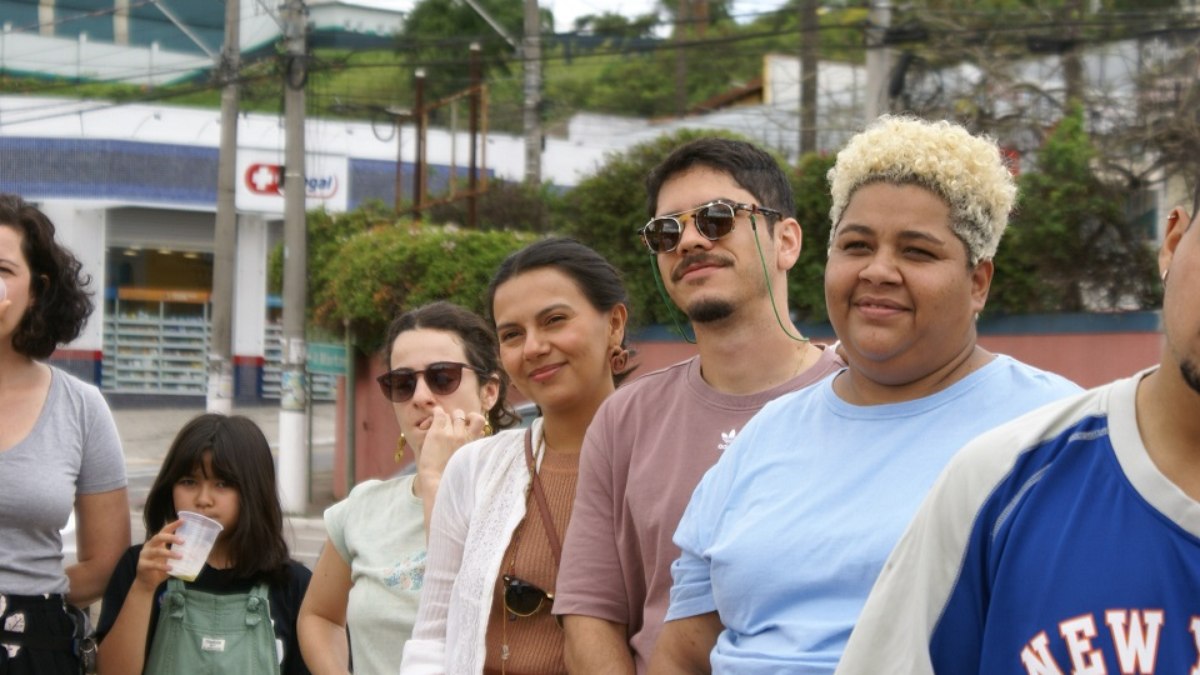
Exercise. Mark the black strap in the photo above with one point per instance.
(540, 496)
(39, 642)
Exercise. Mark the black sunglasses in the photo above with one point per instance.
(712, 220)
(442, 378)
(523, 598)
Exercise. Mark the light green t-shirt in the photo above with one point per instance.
(379, 530)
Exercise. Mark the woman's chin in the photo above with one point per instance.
(415, 441)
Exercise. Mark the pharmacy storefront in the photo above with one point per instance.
(141, 218)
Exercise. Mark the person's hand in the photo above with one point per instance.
(153, 561)
(447, 433)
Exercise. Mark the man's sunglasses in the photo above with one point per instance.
(712, 220)
(442, 378)
(523, 598)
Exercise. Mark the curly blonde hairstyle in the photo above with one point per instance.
(967, 171)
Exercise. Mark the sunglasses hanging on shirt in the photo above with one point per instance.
(523, 598)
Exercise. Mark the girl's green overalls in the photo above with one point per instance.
(202, 633)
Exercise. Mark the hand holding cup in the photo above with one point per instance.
(154, 561)
(198, 534)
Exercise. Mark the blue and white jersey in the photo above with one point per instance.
(1052, 545)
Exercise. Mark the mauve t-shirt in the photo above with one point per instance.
(644, 453)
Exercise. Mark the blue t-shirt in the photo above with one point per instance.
(786, 534)
(1051, 545)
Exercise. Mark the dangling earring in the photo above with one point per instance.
(487, 428)
(618, 359)
(400, 449)
(1164, 276)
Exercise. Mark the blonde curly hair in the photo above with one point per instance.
(967, 171)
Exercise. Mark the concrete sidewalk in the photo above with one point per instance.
(146, 434)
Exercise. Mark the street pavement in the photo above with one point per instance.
(146, 435)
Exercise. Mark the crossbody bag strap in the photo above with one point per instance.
(540, 496)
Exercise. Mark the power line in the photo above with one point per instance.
(737, 41)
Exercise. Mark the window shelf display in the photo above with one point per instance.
(322, 386)
(156, 342)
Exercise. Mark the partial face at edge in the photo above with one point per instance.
(17, 278)
(1180, 258)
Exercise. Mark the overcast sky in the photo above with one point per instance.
(565, 11)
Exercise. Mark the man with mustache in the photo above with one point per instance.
(724, 237)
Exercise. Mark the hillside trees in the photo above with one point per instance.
(1070, 246)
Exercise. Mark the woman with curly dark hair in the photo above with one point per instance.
(59, 451)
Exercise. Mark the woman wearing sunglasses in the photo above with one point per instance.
(495, 539)
(446, 388)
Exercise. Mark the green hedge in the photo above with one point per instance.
(380, 273)
(367, 266)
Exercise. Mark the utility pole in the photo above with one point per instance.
(293, 394)
(531, 52)
(810, 56)
(879, 19)
(419, 162)
(682, 15)
(1072, 58)
(219, 396)
(473, 172)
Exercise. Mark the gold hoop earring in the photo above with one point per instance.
(618, 359)
(400, 449)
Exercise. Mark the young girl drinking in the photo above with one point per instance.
(239, 614)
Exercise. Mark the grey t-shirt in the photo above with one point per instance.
(72, 449)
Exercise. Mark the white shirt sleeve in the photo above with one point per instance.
(448, 527)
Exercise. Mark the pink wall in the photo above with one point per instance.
(1089, 358)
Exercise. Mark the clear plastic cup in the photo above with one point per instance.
(199, 533)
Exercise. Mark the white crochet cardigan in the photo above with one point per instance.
(480, 502)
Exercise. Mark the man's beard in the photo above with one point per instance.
(1191, 375)
(710, 311)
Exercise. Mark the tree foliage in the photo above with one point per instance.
(617, 25)
(506, 205)
(1070, 246)
(390, 269)
(438, 34)
(806, 281)
(366, 266)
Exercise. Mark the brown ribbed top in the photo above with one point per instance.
(535, 643)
